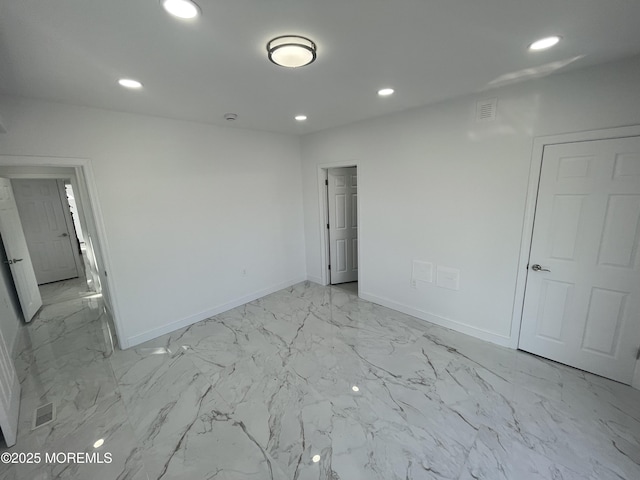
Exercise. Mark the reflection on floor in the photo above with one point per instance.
(351, 287)
(64, 290)
(312, 382)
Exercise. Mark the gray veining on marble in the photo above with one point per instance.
(257, 392)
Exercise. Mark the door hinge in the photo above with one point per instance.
(329, 267)
(638, 354)
(326, 182)
(327, 225)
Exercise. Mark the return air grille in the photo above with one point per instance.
(43, 415)
(486, 109)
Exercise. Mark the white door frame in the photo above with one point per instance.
(85, 177)
(530, 207)
(323, 205)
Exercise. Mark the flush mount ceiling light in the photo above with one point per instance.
(544, 43)
(291, 51)
(181, 8)
(385, 92)
(130, 83)
(300, 118)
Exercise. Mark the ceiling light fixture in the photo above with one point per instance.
(129, 83)
(385, 92)
(544, 43)
(291, 51)
(300, 118)
(181, 8)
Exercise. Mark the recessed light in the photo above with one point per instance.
(300, 118)
(384, 92)
(544, 43)
(355, 388)
(98, 443)
(230, 116)
(181, 8)
(129, 83)
(316, 458)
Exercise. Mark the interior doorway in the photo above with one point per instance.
(583, 287)
(577, 283)
(340, 242)
(77, 177)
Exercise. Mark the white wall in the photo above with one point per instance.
(435, 185)
(186, 207)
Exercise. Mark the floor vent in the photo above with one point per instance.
(43, 415)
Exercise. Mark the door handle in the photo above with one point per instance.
(64, 235)
(537, 268)
(11, 262)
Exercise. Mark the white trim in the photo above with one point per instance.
(314, 279)
(532, 193)
(84, 171)
(438, 320)
(198, 317)
(322, 174)
(66, 211)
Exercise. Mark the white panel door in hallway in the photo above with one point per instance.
(582, 301)
(9, 395)
(343, 224)
(46, 221)
(18, 253)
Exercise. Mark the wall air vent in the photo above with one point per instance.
(486, 109)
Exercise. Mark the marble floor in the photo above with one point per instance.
(313, 383)
(57, 292)
(351, 287)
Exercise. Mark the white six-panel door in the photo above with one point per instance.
(52, 244)
(9, 395)
(582, 301)
(343, 224)
(17, 253)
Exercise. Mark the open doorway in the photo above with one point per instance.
(340, 200)
(52, 225)
(84, 227)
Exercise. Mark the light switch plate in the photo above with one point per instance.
(448, 278)
(422, 271)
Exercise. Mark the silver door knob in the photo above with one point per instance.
(11, 262)
(537, 268)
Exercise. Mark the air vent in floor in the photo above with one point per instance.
(43, 415)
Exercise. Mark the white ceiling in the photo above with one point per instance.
(74, 51)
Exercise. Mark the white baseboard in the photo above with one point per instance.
(185, 322)
(486, 335)
(313, 279)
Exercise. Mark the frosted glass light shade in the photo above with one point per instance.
(291, 51)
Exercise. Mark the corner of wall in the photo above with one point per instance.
(635, 383)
